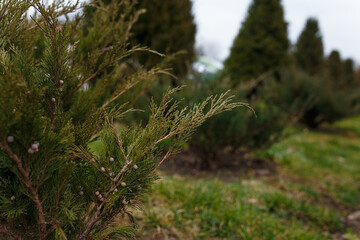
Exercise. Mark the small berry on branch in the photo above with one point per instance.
(10, 139)
(30, 151)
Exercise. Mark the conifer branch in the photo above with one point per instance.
(81, 84)
(27, 181)
(168, 153)
(96, 215)
(5, 6)
(118, 141)
(4, 230)
(110, 219)
(122, 92)
(114, 184)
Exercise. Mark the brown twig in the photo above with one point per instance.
(122, 92)
(27, 181)
(115, 183)
(81, 84)
(53, 117)
(42, 174)
(95, 217)
(4, 230)
(162, 160)
(113, 214)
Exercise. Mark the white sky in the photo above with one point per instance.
(218, 22)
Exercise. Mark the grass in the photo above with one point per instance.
(328, 163)
(351, 125)
(316, 186)
(213, 209)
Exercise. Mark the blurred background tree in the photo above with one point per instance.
(164, 26)
(261, 44)
(349, 74)
(167, 27)
(309, 51)
(334, 67)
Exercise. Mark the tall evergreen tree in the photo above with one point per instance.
(167, 27)
(309, 48)
(261, 44)
(357, 76)
(334, 67)
(66, 170)
(164, 26)
(349, 73)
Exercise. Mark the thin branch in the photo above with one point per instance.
(96, 215)
(162, 160)
(42, 174)
(4, 230)
(119, 143)
(80, 84)
(53, 117)
(2, 15)
(28, 184)
(122, 92)
(111, 218)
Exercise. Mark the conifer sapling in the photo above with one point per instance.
(66, 170)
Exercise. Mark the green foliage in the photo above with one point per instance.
(293, 91)
(236, 131)
(349, 73)
(164, 26)
(340, 73)
(52, 184)
(309, 51)
(328, 106)
(334, 67)
(309, 99)
(261, 44)
(167, 27)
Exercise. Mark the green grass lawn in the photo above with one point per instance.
(315, 187)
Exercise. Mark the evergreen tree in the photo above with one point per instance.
(167, 27)
(164, 26)
(309, 48)
(349, 73)
(334, 67)
(66, 172)
(261, 44)
(357, 76)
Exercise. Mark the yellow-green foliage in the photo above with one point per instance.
(55, 100)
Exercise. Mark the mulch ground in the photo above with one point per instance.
(230, 166)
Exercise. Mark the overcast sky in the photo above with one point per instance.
(218, 22)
